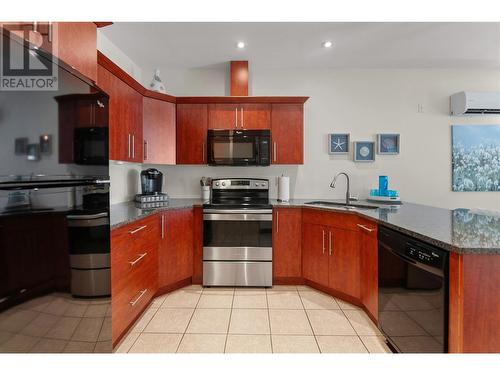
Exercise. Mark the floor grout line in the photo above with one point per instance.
(189, 322)
(269, 321)
(229, 323)
(310, 325)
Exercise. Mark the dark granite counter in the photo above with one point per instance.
(127, 212)
(460, 231)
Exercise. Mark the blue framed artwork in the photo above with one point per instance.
(388, 144)
(364, 151)
(338, 143)
(475, 157)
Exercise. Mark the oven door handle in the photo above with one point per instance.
(87, 217)
(238, 217)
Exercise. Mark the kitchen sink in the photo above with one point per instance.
(341, 205)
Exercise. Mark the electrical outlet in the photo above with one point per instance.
(420, 108)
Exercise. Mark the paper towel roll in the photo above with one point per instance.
(283, 189)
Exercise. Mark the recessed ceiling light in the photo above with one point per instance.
(327, 44)
(240, 45)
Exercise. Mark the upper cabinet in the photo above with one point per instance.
(158, 131)
(287, 132)
(239, 116)
(192, 122)
(125, 117)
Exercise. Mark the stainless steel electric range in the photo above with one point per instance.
(237, 239)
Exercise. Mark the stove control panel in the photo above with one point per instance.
(240, 184)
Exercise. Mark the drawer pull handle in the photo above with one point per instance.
(138, 229)
(134, 262)
(141, 294)
(365, 228)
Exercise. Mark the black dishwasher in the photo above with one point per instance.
(412, 293)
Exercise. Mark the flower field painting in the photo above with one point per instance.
(476, 157)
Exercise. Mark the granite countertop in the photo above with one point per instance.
(460, 231)
(127, 212)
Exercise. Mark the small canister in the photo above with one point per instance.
(383, 185)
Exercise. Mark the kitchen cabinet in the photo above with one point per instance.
(287, 239)
(192, 122)
(134, 271)
(76, 42)
(175, 257)
(197, 245)
(331, 251)
(158, 131)
(287, 133)
(231, 116)
(314, 254)
(368, 252)
(125, 117)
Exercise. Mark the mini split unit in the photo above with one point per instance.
(474, 102)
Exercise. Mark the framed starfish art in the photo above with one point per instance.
(338, 144)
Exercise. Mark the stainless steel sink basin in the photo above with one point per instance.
(342, 205)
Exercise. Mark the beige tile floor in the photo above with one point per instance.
(284, 319)
(57, 323)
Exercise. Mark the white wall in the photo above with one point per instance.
(363, 103)
(108, 48)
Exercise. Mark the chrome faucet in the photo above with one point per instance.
(347, 194)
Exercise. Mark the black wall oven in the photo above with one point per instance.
(413, 293)
(239, 147)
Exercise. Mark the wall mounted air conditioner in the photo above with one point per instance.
(475, 102)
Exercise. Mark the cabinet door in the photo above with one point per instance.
(314, 253)
(134, 122)
(343, 250)
(287, 250)
(368, 246)
(77, 46)
(223, 116)
(254, 116)
(119, 141)
(158, 131)
(176, 247)
(287, 132)
(192, 121)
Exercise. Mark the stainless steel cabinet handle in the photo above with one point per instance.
(141, 294)
(365, 228)
(329, 243)
(145, 150)
(203, 151)
(134, 262)
(138, 229)
(275, 151)
(129, 139)
(162, 226)
(133, 146)
(277, 221)
(323, 238)
(242, 118)
(236, 118)
(51, 35)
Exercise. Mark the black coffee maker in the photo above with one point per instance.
(151, 181)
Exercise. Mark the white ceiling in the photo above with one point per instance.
(298, 45)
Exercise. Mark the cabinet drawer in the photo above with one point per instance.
(329, 218)
(130, 238)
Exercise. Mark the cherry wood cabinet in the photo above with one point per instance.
(158, 131)
(239, 116)
(192, 122)
(287, 133)
(287, 239)
(368, 252)
(125, 117)
(78, 46)
(197, 245)
(175, 258)
(75, 43)
(314, 253)
(134, 271)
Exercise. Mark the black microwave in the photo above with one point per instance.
(91, 146)
(239, 147)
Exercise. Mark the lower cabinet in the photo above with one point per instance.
(287, 233)
(314, 253)
(175, 257)
(134, 271)
(368, 251)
